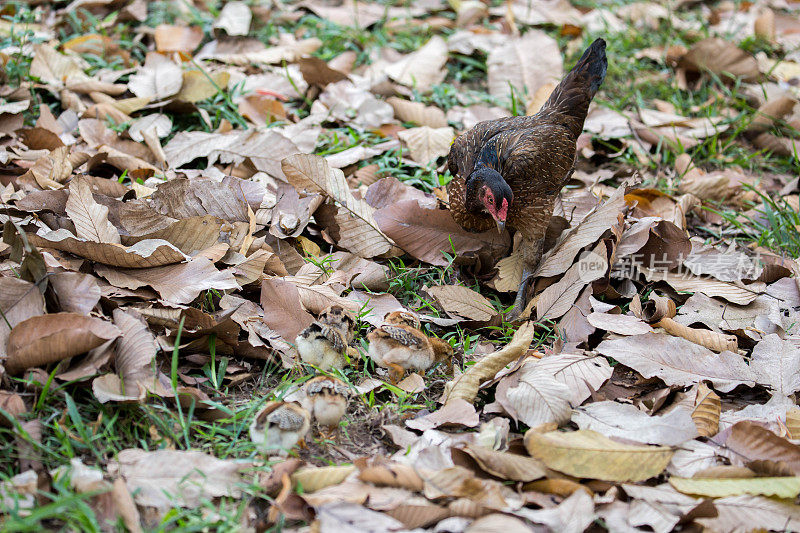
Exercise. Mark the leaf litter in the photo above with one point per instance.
(179, 213)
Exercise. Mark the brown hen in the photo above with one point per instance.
(509, 171)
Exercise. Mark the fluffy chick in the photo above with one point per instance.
(326, 398)
(279, 426)
(324, 342)
(399, 346)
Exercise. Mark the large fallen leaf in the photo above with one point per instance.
(191, 234)
(428, 234)
(45, 339)
(357, 227)
(90, 218)
(679, 362)
(283, 311)
(625, 421)
(426, 143)
(179, 284)
(313, 479)
(587, 454)
(619, 324)
(732, 292)
(144, 254)
(177, 38)
(462, 301)
(234, 18)
(591, 228)
(166, 478)
(573, 515)
(510, 65)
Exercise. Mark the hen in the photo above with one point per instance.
(509, 171)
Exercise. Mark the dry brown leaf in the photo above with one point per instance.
(504, 465)
(428, 233)
(624, 421)
(509, 65)
(417, 112)
(679, 362)
(707, 408)
(466, 385)
(19, 301)
(591, 228)
(358, 229)
(179, 284)
(746, 442)
(177, 38)
(283, 311)
(76, 292)
(537, 398)
(422, 68)
(619, 324)
(588, 454)
(456, 412)
(52, 170)
(733, 292)
(144, 254)
(427, 144)
(463, 302)
(557, 299)
(313, 479)
(582, 374)
(720, 57)
(776, 361)
(165, 478)
(388, 474)
(49, 338)
(90, 218)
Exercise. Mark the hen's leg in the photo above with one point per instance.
(531, 254)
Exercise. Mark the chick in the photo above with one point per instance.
(324, 343)
(326, 398)
(399, 345)
(279, 426)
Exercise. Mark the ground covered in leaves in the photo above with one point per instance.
(186, 186)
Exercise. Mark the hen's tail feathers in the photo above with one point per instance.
(570, 99)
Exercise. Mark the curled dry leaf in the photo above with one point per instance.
(503, 465)
(456, 412)
(588, 454)
(461, 301)
(718, 342)
(358, 229)
(158, 79)
(736, 293)
(428, 233)
(467, 384)
(45, 339)
(283, 311)
(76, 292)
(619, 324)
(747, 441)
(707, 408)
(388, 474)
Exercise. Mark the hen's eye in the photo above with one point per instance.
(491, 200)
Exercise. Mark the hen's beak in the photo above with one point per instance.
(501, 225)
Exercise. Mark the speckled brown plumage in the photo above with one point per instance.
(533, 155)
